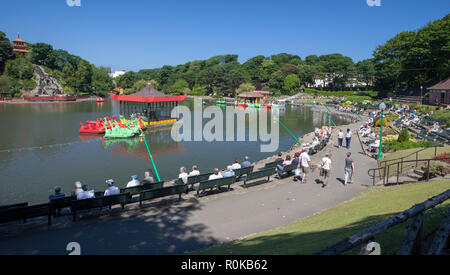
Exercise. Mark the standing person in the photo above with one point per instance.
(348, 138)
(340, 138)
(305, 163)
(326, 168)
(349, 169)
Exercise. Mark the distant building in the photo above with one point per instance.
(117, 73)
(440, 93)
(20, 46)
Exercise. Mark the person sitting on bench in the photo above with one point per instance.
(236, 165)
(134, 182)
(246, 163)
(77, 189)
(111, 190)
(148, 178)
(183, 175)
(57, 194)
(215, 175)
(229, 172)
(287, 162)
(86, 194)
(194, 171)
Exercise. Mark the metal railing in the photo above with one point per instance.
(384, 172)
(383, 163)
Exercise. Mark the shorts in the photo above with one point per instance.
(325, 173)
(305, 169)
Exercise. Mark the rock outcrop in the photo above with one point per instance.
(46, 85)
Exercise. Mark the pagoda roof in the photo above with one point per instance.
(148, 94)
(20, 40)
(251, 94)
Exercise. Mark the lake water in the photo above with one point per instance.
(40, 148)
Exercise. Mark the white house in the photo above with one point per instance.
(117, 73)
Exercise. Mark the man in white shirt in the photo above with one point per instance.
(236, 165)
(85, 194)
(326, 168)
(183, 175)
(111, 190)
(134, 181)
(305, 164)
(215, 175)
(194, 171)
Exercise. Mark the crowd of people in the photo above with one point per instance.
(82, 192)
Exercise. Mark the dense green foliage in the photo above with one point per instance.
(366, 94)
(414, 58)
(76, 75)
(403, 136)
(395, 145)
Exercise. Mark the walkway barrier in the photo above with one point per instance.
(413, 239)
(397, 168)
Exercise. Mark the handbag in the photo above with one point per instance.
(298, 172)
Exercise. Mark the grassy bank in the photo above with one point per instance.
(370, 207)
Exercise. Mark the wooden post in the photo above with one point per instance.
(441, 237)
(368, 234)
(412, 242)
(398, 171)
(428, 171)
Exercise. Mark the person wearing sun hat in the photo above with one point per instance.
(134, 181)
(111, 190)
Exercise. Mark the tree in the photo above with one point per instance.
(6, 52)
(43, 54)
(180, 85)
(288, 69)
(84, 77)
(276, 81)
(4, 85)
(101, 81)
(365, 71)
(68, 75)
(19, 68)
(292, 84)
(245, 87)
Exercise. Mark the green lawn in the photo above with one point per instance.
(425, 154)
(370, 207)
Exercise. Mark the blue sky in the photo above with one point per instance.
(142, 34)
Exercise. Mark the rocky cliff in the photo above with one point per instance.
(46, 85)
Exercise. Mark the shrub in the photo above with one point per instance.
(403, 136)
(394, 145)
(385, 122)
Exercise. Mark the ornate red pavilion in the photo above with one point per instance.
(156, 106)
(20, 46)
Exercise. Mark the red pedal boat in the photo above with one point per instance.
(92, 128)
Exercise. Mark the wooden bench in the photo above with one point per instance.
(135, 190)
(217, 183)
(243, 171)
(5, 207)
(194, 179)
(26, 212)
(108, 201)
(163, 192)
(61, 203)
(272, 165)
(287, 169)
(258, 175)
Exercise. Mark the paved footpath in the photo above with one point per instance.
(195, 223)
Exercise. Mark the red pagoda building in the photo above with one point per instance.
(20, 46)
(156, 106)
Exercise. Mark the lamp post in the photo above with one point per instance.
(421, 88)
(382, 107)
